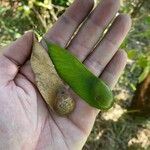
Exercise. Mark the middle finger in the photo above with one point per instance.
(91, 30)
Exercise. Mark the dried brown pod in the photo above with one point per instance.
(62, 101)
(48, 82)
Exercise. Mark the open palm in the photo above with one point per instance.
(25, 121)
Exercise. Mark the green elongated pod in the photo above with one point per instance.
(83, 82)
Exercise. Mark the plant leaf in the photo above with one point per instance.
(144, 74)
(60, 2)
(90, 88)
(132, 54)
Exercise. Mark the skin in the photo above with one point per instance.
(26, 122)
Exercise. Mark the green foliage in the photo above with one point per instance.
(137, 43)
(142, 61)
(20, 16)
(147, 20)
(132, 54)
(60, 2)
(144, 74)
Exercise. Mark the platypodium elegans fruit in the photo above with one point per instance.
(60, 67)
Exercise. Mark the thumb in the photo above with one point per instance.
(13, 56)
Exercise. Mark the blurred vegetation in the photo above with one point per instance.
(18, 16)
(138, 43)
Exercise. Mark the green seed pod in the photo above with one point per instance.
(83, 82)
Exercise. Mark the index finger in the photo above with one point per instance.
(66, 25)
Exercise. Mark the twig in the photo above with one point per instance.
(40, 18)
(137, 8)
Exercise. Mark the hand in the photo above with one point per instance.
(25, 121)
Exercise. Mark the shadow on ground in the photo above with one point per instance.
(118, 135)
